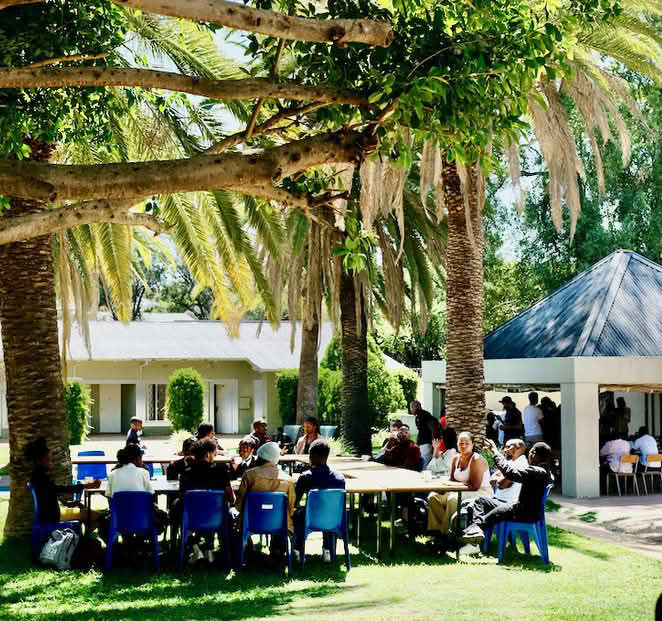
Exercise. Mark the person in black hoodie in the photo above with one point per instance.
(534, 477)
(247, 457)
(175, 468)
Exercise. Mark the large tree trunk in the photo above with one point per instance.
(35, 400)
(356, 418)
(465, 301)
(308, 363)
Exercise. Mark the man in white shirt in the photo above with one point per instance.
(130, 475)
(646, 444)
(532, 416)
(613, 450)
(507, 490)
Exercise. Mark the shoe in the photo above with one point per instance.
(469, 550)
(196, 554)
(209, 555)
(473, 534)
(326, 556)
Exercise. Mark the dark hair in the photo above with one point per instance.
(320, 448)
(449, 435)
(313, 421)
(397, 423)
(187, 445)
(643, 430)
(36, 450)
(436, 428)
(533, 398)
(204, 429)
(128, 454)
(280, 429)
(543, 451)
(249, 441)
(203, 447)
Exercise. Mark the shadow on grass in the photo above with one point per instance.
(560, 538)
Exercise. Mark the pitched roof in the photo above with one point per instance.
(268, 350)
(612, 309)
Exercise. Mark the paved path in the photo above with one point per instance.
(629, 521)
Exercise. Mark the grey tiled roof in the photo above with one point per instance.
(612, 309)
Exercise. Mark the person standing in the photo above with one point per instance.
(533, 421)
(622, 416)
(422, 421)
(511, 423)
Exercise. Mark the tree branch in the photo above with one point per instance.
(5, 4)
(51, 77)
(19, 228)
(65, 59)
(50, 182)
(234, 15)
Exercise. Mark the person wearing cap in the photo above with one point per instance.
(135, 431)
(511, 423)
(260, 432)
(266, 476)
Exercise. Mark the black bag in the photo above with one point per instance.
(418, 516)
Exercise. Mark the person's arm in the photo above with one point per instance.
(147, 482)
(605, 450)
(302, 486)
(414, 457)
(477, 469)
(241, 494)
(453, 465)
(229, 494)
(300, 445)
(513, 471)
(517, 426)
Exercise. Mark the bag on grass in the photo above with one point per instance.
(59, 549)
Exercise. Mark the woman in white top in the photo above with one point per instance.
(466, 467)
(130, 475)
(441, 461)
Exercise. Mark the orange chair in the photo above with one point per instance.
(625, 459)
(653, 472)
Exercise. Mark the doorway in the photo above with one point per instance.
(223, 405)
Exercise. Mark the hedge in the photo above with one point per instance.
(77, 402)
(185, 401)
(408, 382)
(287, 382)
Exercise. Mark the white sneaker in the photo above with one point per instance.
(297, 556)
(196, 554)
(209, 555)
(469, 550)
(326, 555)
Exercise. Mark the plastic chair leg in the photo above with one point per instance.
(288, 550)
(501, 541)
(346, 542)
(618, 485)
(182, 548)
(486, 540)
(526, 542)
(157, 560)
(334, 544)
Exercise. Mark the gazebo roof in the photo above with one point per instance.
(612, 309)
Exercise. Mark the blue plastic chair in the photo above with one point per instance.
(326, 512)
(150, 466)
(265, 513)
(509, 530)
(422, 466)
(41, 532)
(132, 513)
(205, 511)
(96, 471)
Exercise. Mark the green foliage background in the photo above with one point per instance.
(77, 402)
(185, 400)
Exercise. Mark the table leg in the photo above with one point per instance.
(392, 531)
(88, 506)
(351, 511)
(358, 525)
(458, 527)
(379, 524)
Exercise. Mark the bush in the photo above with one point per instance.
(332, 358)
(408, 382)
(384, 393)
(329, 396)
(185, 402)
(77, 401)
(287, 382)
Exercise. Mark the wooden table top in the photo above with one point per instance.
(167, 458)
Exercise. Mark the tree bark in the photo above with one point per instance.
(35, 396)
(271, 23)
(356, 418)
(251, 88)
(465, 303)
(308, 367)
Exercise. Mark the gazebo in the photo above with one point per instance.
(600, 332)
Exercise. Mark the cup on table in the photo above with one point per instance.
(427, 475)
(365, 457)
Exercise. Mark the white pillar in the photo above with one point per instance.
(580, 416)
(428, 396)
(259, 399)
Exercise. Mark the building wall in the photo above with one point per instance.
(110, 407)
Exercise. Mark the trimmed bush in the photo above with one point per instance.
(77, 402)
(185, 401)
(384, 393)
(287, 382)
(408, 382)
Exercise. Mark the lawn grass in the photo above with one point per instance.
(587, 580)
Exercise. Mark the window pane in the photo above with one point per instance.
(161, 401)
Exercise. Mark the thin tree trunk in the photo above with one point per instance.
(308, 363)
(356, 418)
(465, 301)
(35, 401)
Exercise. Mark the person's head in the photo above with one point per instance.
(540, 453)
(310, 425)
(435, 428)
(620, 402)
(205, 430)
(396, 423)
(643, 431)
(414, 406)
(514, 448)
(450, 438)
(260, 427)
(507, 402)
(136, 423)
(319, 452)
(491, 417)
(247, 446)
(280, 430)
(270, 451)
(622, 435)
(533, 398)
(204, 450)
(187, 445)
(130, 454)
(403, 433)
(38, 453)
(546, 402)
(465, 443)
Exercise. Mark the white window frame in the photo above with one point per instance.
(146, 421)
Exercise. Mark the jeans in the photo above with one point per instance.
(489, 511)
(299, 519)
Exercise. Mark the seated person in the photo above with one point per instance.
(613, 450)
(266, 476)
(247, 457)
(311, 432)
(135, 432)
(534, 477)
(401, 452)
(260, 432)
(51, 510)
(320, 476)
(175, 468)
(204, 474)
(646, 444)
(130, 474)
(396, 423)
(467, 467)
(206, 431)
(284, 441)
(443, 452)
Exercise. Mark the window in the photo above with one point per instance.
(156, 400)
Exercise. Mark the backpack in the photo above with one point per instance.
(417, 523)
(59, 549)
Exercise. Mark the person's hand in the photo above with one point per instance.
(283, 451)
(491, 447)
(93, 485)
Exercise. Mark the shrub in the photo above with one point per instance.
(287, 382)
(185, 401)
(329, 396)
(77, 401)
(408, 382)
(384, 393)
(332, 358)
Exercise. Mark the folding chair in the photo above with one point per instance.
(653, 472)
(625, 459)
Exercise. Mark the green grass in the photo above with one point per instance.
(585, 581)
